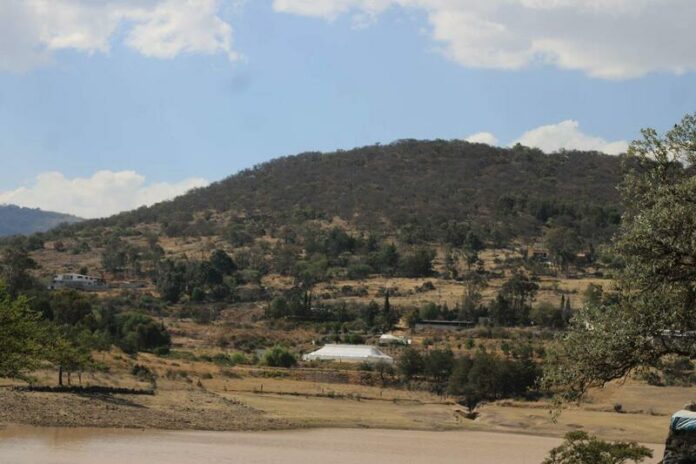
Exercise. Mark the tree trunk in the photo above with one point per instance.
(60, 376)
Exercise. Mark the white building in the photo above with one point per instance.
(76, 281)
(349, 353)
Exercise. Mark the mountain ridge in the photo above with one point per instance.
(18, 220)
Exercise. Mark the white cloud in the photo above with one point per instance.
(611, 39)
(567, 135)
(483, 137)
(30, 30)
(103, 194)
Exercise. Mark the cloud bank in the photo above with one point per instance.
(31, 30)
(566, 135)
(610, 39)
(103, 194)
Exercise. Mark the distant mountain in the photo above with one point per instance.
(16, 220)
(418, 190)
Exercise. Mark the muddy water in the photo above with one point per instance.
(22, 445)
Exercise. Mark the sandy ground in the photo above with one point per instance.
(338, 446)
(173, 410)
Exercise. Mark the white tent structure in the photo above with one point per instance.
(389, 339)
(349, 353)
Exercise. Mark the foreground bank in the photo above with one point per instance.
(22, 445)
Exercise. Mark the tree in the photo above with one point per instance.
(170, 281)
(16, 264)
(139, 332)
(115, 255)
(651, 314)
(519, 291)
(563, 243)
(386, 259)
(429, 311)
(581, 448)
(68, 355)
(410, 363)
(389, 316)
(417, 264)
(547, 315)
(22, 336)
(438, 364)
(70, 307)
(222, 262)
(384, 370)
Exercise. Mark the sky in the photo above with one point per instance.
(106, 105)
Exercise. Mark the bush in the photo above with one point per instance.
(358, 271)
(197, 294)
(581, 448)
(161, 351)
(139, 332)
(279, 356)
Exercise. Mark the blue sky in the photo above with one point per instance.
(156, 112)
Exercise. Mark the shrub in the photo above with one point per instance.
(358, 271)
(279, 356)
(581, 448)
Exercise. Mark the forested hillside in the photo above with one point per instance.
(418, 190)
(16, 220)
(504, 244)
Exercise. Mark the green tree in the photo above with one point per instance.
(384, 370)
(68, 355)
(652, 311)
(519, 291)
(70, 307)
(139, 332)
(16, 264)
(410, 363)
(429, 311)
(115, 255)
(547, 315)
(438, 364)
(581, 448)
(22, 336)
(563, 243)
(170, 281)
(418, 263)
(221, 262)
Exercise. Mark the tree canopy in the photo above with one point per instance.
(650, 313)
(22, 335)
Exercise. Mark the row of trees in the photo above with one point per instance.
(472, 379)
(297, 305)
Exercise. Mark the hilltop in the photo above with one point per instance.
(351, 223)
(15, 220)
(409, 187)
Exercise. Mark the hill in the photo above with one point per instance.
(418, 189)
(15, 220)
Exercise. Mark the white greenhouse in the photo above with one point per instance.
(349, 353)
